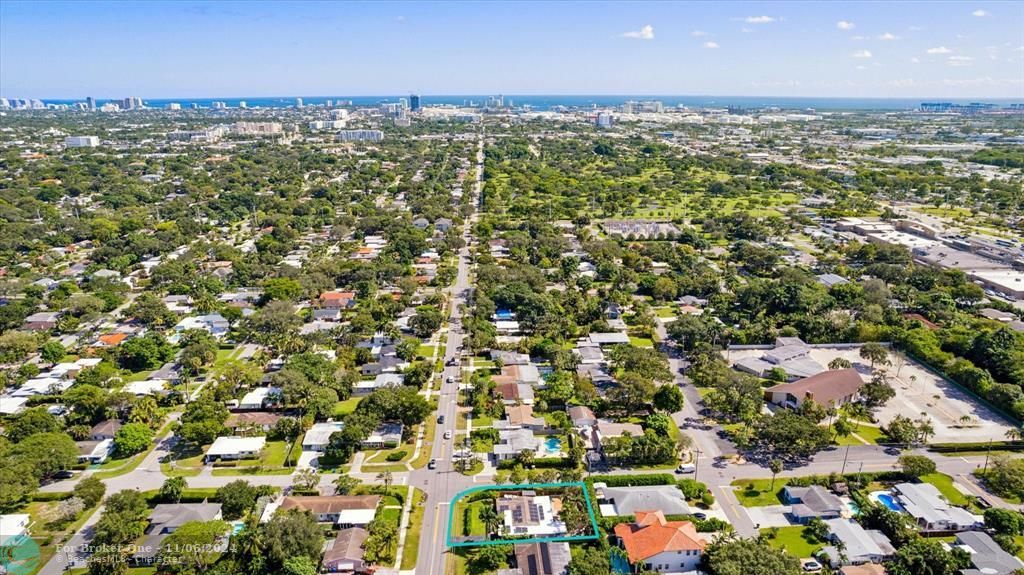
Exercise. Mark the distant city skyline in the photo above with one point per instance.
(192, 50)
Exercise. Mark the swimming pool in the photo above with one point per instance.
(889, 501)
(552, 446)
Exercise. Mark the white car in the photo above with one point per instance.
(686, 468)
(448, 434)
(451, 379)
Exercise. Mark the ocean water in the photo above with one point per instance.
(577, 101)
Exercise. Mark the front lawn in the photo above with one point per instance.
(343, 408)
(944, 484)
(793, 540)
(759, 492)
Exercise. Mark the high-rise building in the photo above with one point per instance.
(360, 135)
(604, 120)
(298, 102)
(90, 103)
(81, 141)
(4, 104)
(219, 105)
(194, 105)
(243, 104)
(414, 102)
(173, 106)
(327, 125)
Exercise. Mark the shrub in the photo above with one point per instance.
(396, 455)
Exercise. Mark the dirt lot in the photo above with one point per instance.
(920, 393)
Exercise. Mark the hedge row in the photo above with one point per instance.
(539, 463)
(633, 480)
(976, 446)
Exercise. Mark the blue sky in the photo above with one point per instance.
(208, 49)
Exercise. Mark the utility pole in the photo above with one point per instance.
(987, 451)
(846, 455)
(696, 464)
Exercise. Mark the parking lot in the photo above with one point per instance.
(955, 415)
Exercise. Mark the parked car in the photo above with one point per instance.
(440, 419)
(686, 468)
(432, 464)
(811, 566)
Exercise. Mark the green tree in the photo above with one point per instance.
(132, 438)
(299, 565)
(875, 353)
(90, 490)
(52, 351)
(922, 555)
(669, 398)
(192, 547)
(916, 465)
(749, 557)
(291, 533)
(171, 490)
(32, 420)
(236, 498)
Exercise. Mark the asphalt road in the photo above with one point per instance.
(444, 482)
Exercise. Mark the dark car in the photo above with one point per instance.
(432, 464)
(440, 419)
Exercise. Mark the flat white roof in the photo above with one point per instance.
(320, 433)
(235, 445)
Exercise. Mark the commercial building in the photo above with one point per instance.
(81, 141)
(359, 136)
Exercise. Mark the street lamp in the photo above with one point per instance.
(696, 464)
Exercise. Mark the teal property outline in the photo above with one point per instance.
(520, 487)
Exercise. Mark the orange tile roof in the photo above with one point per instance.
(652, 534)
(112, 339)
(332, 295)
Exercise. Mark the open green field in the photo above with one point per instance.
(343, 408)
(944, 484)
(759, 492)
(793, 540)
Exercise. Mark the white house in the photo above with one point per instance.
(232, 448)
(13, 527)
(259, 397)
(318, 436)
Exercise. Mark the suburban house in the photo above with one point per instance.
(41, 321)
(790, 354)
(582, 416)
(509, 357)
(318, 436)
(513, 393)
(106, 429)
(146, 387)
(512, 442)
(810, 502)
(386, 435)
(829, 388)
(541, 559)
(231, 448)
(987, 557)
(259, 397)
(859, 545)
(609, 338)
(344, 553)
(661, 545)
(522, 417)
(110, 340)
(94, 450)
(13, 527)
(529, 514)
(338, 510)
(165, 519)
(925, 504)
(251, 421)
(337, 299)
(606, 430)
(614, 501)
(214, 323)
(368, 386)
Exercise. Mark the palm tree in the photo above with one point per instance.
(385, 477)
(775, 466)
(489, 517)
(925, 429)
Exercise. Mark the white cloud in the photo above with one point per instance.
(645, 33)
(888, 36)
(711, 45)
(698, 33)
(959, 61)
(760, 19)
(862, 67)
(858, 37)
(861, 54)
(939, 50)
(979, 13)
(845, 25)
(915, 60)
(983, 81)
(745, 30)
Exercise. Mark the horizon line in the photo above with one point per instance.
(528, 95)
